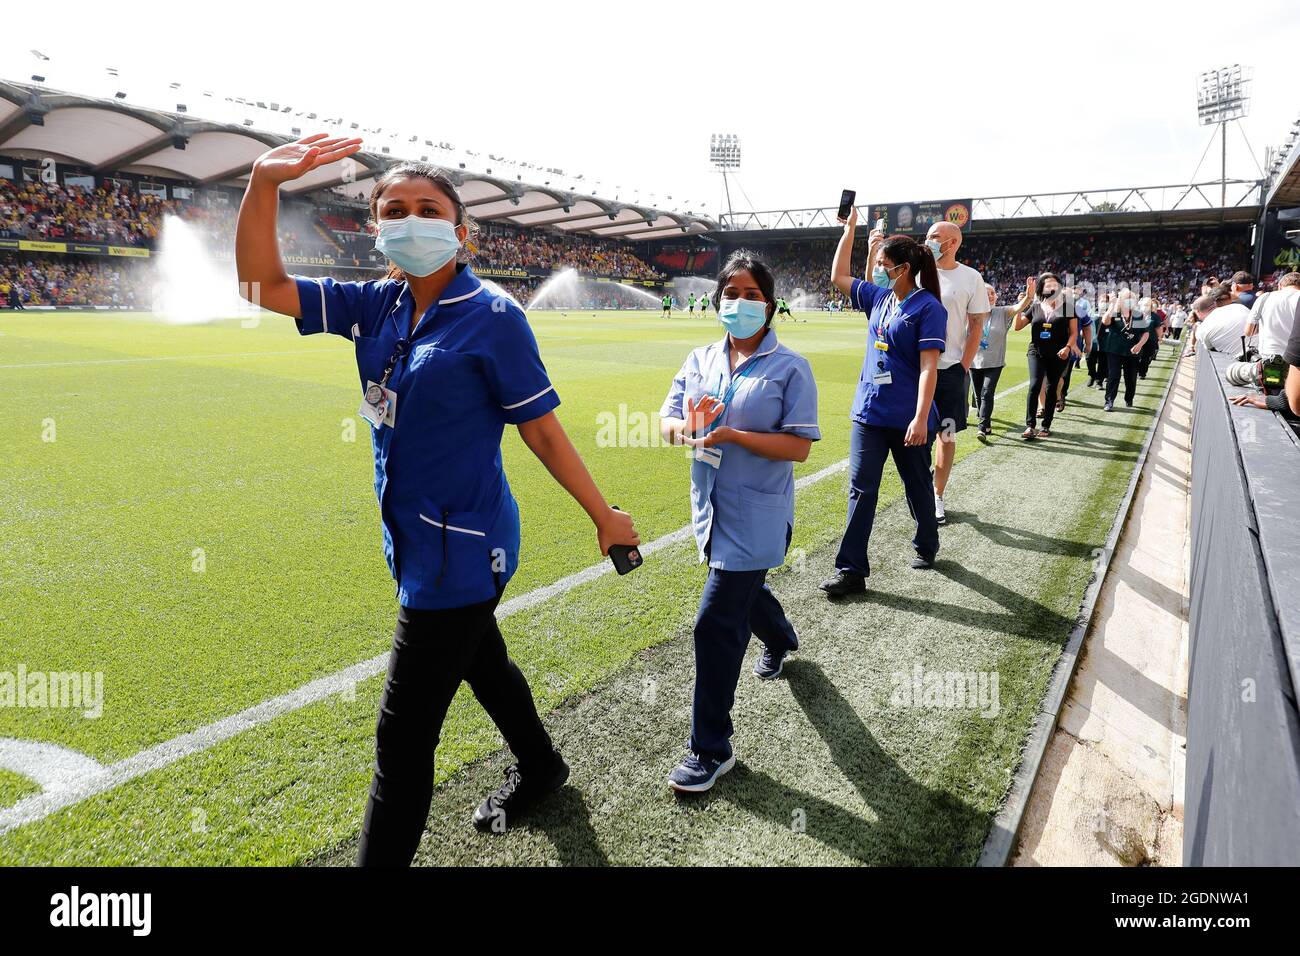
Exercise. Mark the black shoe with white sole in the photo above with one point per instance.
(518, 794)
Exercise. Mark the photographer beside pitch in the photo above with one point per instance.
(445, 365)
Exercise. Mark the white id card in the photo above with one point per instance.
(710, 456)
(883, 378)
(383, 412)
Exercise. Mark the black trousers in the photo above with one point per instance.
(1176, 332)
(1115, 364)
(1042, 368)
(433, 652)
(1096, 364)
(1147, 354)
(984, 381)
(1065, 376)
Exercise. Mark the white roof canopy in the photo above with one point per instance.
(107, 135)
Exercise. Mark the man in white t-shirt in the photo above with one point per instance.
(1177, 320)
(1222, 321)
(967, 304)
(1274, 315)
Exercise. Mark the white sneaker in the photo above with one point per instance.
(938, 509)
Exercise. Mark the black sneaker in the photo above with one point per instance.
(920, 563)
(514, 797)
(844, 583)
(770, 663)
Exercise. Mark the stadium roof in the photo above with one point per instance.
(108, 135)
(1285, 189)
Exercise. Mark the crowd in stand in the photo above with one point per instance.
(60, 280)
(541, 250)
(1173, 263)
(117, 212)
(111, 213)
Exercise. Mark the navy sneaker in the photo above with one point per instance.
(770, 663)
(696, 774)
(921, 562)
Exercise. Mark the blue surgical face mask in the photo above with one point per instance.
(416, 245)
(935, 247)
(742, 317)
(880, 277)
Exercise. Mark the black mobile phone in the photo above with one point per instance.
(846, 203)
(626, 557)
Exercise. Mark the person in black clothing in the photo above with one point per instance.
(1122, 341)
(1096, 357)
(1147, 310)
(1052, 344)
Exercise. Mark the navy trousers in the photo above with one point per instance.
(735, 604)
(869, 446)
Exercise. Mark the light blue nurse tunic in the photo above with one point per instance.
(743, 510)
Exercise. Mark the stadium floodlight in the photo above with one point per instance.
(724, 150)
(1223, 97)
(724, 154)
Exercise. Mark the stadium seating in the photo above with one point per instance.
(327, 232)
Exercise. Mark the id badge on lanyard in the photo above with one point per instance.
(379, 402)
(713, 456)
(378, 405)
(883, 375)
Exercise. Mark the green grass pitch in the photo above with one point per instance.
(190, 513)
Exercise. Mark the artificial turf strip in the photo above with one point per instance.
(830, 769)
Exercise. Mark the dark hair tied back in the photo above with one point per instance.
(902, 249)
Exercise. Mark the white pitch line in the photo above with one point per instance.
(108, 777)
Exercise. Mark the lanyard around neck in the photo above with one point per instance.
(892, 312)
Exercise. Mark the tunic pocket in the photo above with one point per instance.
(456, 558)
(768, 518)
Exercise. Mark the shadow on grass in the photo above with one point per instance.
(1023, 617)
(914, 824)
(565, 819)
(1023, 538)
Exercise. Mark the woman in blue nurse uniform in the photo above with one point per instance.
(444, 365)
(893, 411)
(748, 406)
